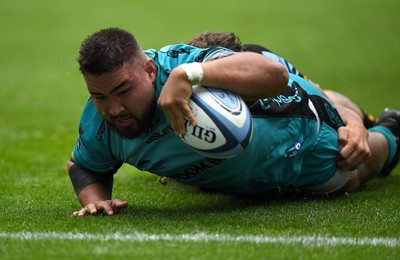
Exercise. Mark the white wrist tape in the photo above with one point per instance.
(194, 72)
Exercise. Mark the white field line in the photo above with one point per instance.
(316, 240)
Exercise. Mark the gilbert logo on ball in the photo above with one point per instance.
(224, 123)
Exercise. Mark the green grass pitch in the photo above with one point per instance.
(350, 46)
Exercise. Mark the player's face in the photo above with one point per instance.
(126, 97)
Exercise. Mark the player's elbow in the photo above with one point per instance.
(280, 78)
(274, 76)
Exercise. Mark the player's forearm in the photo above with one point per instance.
(90, 186)
(340, 100)
(349, 116)
(250, 75)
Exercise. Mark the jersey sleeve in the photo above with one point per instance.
(268, 53)
(171, 56)
(92, 150)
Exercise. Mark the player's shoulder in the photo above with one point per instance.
(93, 150)
(89, 112)
(171, 51)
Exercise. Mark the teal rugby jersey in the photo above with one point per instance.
(285, 130)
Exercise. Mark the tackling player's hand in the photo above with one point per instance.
(109, 207)
(353, 145)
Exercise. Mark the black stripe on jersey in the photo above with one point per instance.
(327, 112)
(293, 102)
(255, 48)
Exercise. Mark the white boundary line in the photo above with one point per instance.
(316, 240)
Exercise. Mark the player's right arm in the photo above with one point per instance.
(249, 75)
(92, 166)
(93, 191)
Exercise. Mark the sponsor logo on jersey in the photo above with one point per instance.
(81, 131)
(175, 53)
(101, 131)
(295, 148)
(281, 99)
(200, 57)
(196, 169)
(157, 135)
(147, 165)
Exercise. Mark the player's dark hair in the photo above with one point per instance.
(214, 39)
(107, 50)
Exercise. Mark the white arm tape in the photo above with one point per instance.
(194, 72)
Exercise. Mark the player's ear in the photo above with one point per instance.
(151, 68)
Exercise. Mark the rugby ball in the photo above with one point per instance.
(224, 126)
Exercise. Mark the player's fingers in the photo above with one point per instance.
(352, 158)
(108, 206)
(189, 115)
(355, 148)
(175, 126)
(91, 208)
(117, 205)
(176, 120)
(342, 135)
(80, 213)
(105, 206)
(182, 116)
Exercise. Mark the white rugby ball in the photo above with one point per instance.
(224, 126)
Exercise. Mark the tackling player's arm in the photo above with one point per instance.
(94, 191)
(353, 136)
(353, 140)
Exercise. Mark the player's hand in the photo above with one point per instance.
(174, 101)
(109, 207)
(353, 145)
